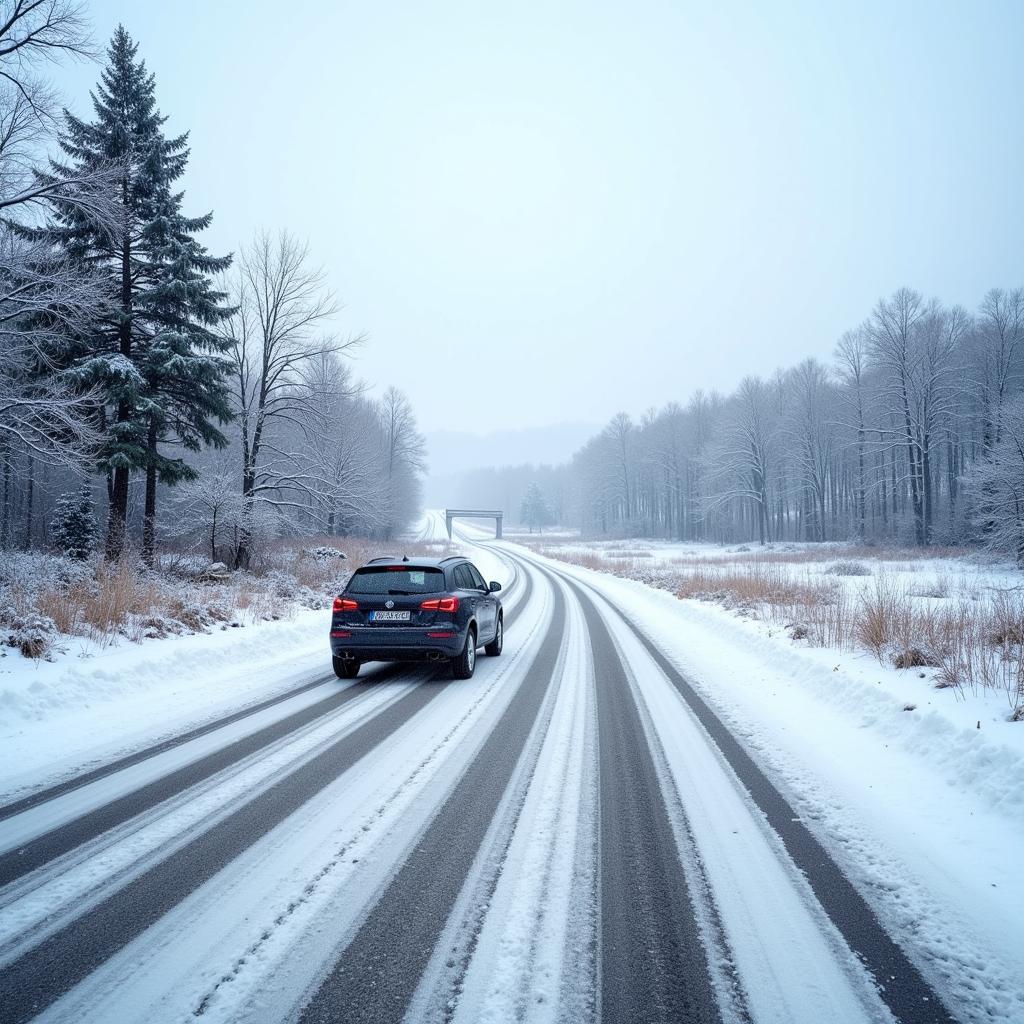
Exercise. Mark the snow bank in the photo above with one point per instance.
(86, 708)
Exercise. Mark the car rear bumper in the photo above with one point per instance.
(409, 643)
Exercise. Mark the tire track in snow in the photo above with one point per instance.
(49, 899)
(653, 961)
(520, 942)
(60, 836)
(50, 969)
(111, 767)
(377, 972)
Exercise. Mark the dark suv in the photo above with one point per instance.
(425, 609)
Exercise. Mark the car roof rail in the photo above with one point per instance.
(452, 558)
(382, 558)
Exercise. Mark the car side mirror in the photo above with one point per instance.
(495, 586)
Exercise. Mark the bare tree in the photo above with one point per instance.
(35, 30)
(741, 463)
(282, 309)
(404, 455)
(937, 387)
(812, 432)
(34, 33)
(892, 328)
(342, 437)
(211, 505)
(47, 414)
(852, 358)
(999, 481)
(998, 345)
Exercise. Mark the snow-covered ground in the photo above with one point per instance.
(918, 791)
(316, 827)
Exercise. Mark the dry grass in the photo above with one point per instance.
(101, 606)
(972, 642)
(103, 602)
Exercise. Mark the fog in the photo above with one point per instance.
(544, 214)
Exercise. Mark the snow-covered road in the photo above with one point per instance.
(575, 834)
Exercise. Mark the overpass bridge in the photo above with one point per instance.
(474, 513)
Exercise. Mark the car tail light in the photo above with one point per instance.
(344, 604)
(340, 633)
(441, 604)
(441, 636)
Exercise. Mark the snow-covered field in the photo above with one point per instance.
(945, 631)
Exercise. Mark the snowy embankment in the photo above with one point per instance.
(63, 716)
(918, 791)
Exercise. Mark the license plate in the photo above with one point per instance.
(389, 616)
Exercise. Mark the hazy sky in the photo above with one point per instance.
(566, 209)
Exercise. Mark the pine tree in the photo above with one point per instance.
(73, 525)
(152, 354)
(185, 372)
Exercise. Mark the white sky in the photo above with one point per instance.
(569, 209)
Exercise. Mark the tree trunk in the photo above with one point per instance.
(5, 521)
(118, 516)
(30, 503)
(149, 510)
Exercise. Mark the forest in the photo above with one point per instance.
(154, 395)
(913, 433)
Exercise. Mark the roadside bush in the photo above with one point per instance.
(34, 635)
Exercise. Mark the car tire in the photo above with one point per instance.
(463, 664)
(493, 649)
(346, 668)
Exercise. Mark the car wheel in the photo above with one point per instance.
(346, 668)
(464, 663)
(494, 647)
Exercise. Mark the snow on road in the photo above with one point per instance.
(231, 875)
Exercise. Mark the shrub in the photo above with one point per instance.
(324, 553)
(848, 567)
(33, 634)
(913, 657)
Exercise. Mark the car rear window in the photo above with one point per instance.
(388, 579)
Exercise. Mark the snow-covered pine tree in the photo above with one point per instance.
(153, 341)
(73, 525)
(186, 389)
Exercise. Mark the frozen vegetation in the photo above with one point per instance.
(955, 617)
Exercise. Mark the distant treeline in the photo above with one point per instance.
(913, 433)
